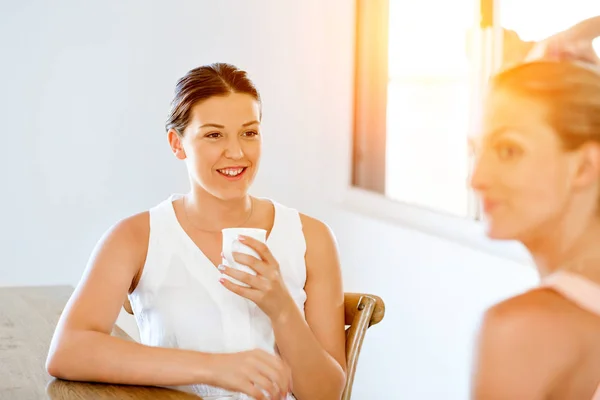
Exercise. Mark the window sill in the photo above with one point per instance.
(462, 231)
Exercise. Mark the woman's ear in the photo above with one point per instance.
(175, 141)
(588, 171)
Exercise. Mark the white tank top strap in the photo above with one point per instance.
(162, 234)
(576, 288)
(288, 245)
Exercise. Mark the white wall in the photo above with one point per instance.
(85, 91)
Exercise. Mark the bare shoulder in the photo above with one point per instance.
(124, 244)
(131, 231)
(526, 344)
(321, 247)
(316, 231)
(539, 317)
(533, 310)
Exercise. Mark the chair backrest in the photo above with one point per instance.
(361, 312)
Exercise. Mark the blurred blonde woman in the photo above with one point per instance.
(537, 172)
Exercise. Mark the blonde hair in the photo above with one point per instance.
(570, 90)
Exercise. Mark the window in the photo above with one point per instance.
(417, 74)
(420, 71)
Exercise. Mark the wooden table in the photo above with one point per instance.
(28, 316)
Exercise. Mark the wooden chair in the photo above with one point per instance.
(361, 312)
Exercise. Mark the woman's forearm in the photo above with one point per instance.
(588, 29)
(316, 375)
(98, 357)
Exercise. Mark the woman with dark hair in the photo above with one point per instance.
(537, 172)
(253, 335)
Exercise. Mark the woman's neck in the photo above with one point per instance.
(209, 213)
(571, 245)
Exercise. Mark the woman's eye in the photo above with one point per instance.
(250, 133)
(508, 151)
(213, 135)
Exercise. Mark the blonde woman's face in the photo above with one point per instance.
(523, 175)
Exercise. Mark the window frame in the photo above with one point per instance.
(365, 193)
(370, 97)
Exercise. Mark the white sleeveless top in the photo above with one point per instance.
(179, 302)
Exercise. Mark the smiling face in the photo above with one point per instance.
(527, 180)
(221, 144)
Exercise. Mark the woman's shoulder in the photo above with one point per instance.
(132, 231)
(532, 312)
(321, 251)
(315, 228)
(526, 345)
(310, 225)
(136, 224)
(136, 227)
(321, 244)
(538, 326)
(316, 232)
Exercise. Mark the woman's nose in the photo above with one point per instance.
(480, 174)
(234, 149)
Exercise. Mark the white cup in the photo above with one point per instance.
(231, 244)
